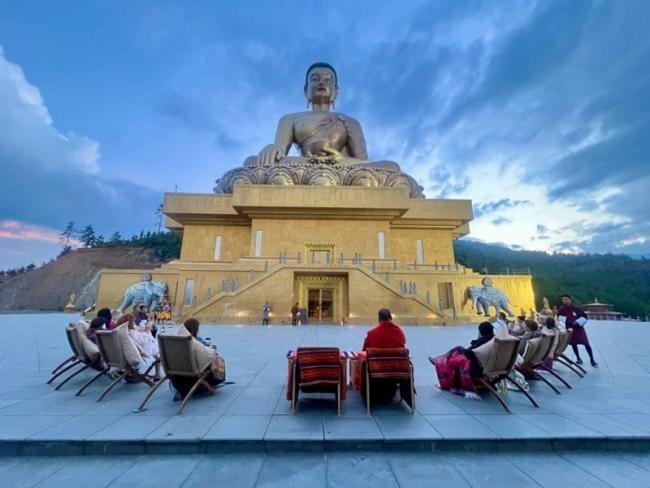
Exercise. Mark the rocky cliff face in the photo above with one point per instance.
(49, 287)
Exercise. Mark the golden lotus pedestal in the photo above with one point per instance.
(341, 253)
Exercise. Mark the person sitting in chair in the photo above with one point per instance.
(96, 324)
(457, 369)
(385, 335)
(182, 384)
(146, 344)
(532, 331)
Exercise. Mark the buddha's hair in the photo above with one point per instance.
(321, 65)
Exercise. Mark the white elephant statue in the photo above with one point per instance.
(150, 293)
(486, 296)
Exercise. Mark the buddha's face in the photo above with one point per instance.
(321, 86)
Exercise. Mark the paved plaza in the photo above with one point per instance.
(608, 409)
(339, 469)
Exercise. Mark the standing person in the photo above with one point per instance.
(574, 318)
(295, 311)
(266, 313)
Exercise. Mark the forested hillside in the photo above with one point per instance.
(612, 278)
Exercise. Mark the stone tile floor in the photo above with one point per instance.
(348, 469)
(611, 401)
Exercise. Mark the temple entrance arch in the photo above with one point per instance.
(323, 295)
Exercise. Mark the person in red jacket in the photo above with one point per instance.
(385, 335)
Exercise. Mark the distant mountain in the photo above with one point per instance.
(618, 279)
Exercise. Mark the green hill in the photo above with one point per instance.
(612, 278)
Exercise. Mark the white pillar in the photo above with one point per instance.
(189, 291)
(258, 243)
(420, 251)
(217, 248)
(382, 245)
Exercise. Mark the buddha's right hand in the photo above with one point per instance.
(270, 154)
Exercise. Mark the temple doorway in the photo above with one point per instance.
(324, 296)
(320, 304)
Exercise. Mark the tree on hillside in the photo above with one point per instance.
(67, 234)
(116, 239)
(159, 217)
(30, 266)
(88, 237)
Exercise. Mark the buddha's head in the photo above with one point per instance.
(321, 84)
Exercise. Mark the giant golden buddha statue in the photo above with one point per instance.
(331, 144)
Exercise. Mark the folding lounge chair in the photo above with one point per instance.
(71, 358)
(75, 359)
(317, 370)
(114, 356)
(555, 341)
(83, 357)
(498, 365)
(537, 350)
(560, 357)
(178, 359)
(390, 365)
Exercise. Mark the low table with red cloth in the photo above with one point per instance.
(292, 357)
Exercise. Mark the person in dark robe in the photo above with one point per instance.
(295, 310)
(385, 335)
(575, 318)
(457, 369)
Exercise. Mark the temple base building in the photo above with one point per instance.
(330, 230)
(341, 253)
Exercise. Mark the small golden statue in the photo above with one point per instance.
(331, 144)
(547, 311)
(70, 307)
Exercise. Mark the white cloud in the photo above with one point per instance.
(28, 133)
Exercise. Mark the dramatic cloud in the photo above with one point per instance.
(481, 209)
(537, 111)
(49, 178)
(10, 229)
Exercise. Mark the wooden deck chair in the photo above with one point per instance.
(92, 356)
(89, 358)
(498, 362)
(178, 359)
(72, 348)
(75, 359)
(555, 341)
(118, 351)
(560, 357)
(317, 370)
(390, 365)
(537, 350)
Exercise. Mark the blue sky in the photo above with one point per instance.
(537, 111)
